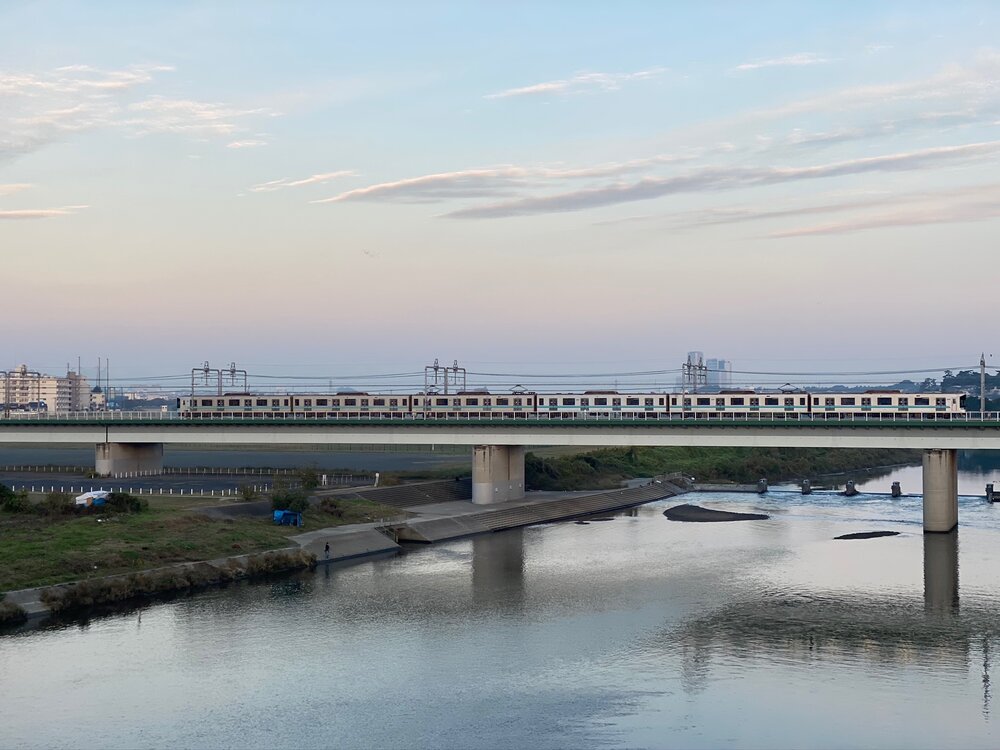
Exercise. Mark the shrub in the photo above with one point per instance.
(308, 478)
(56, 504)
(247, 493)
(15, 502)
(11, 614)
(122, 502)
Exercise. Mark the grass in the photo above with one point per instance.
(40, 551)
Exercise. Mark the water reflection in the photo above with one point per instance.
(498, 570)
(941, 573)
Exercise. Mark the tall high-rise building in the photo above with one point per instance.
(719, 373)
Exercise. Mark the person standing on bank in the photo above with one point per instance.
(326, 550)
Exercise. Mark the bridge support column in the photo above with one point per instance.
(113, 459)
(940, 490)
(497, 473)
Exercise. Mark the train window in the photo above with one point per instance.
(848, 401)
(866, 402)
(649, 402)
(830, 401)
(616, 402)
(720, 402)
(921, 401)
(885, 401)
(517, 402)
(673, 400)
(770, 401)
(393, 402)
(755, 402)
(704, 402)
(350, 402)
(234, 402)
(322, 402)
(904, 401)
(262, 402)
(487, 401)
(206, 402)
(631, 402)
(569, 402)
(600, 402)
(663, 401)
(503, 402)
(247, 402)
(815, 401)
(736, 401)
(802, 401)
(789, 402)
(220, 403)
(440, 402)
(457, 402)
(687, 402)
(472, 402)
(335, 402)
(364, 402)
(307, 402)
(584, 402)
(940, 402)
(379, 402)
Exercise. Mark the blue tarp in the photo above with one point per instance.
(287, 518)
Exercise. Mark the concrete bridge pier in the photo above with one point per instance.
(497, 473)
(940, 491)
(112, 459)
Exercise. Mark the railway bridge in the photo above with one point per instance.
(129, 442)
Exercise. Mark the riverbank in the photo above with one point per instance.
(41, 550)
(609, 467)
(427, 523)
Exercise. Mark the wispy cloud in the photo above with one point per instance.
(316, 179)
(973, 85)
(250, 143)
(579, 83)
(159, 114)
(980, 203)
(42, 108)
(39, 213)
(11, 188)
(797, 60)
(713, 179)
(495, 181)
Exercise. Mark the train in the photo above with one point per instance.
(611, 404)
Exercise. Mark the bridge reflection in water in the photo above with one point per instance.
(812, 626)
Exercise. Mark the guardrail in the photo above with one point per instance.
(157, 417)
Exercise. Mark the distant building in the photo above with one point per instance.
(25, 390)
(719, 375)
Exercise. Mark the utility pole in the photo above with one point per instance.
(982, 385)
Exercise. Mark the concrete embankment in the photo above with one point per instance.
(438, 511)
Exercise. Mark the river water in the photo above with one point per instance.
(632, 632)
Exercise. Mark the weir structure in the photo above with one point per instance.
(133, 442)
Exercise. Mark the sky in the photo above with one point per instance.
(349, 188)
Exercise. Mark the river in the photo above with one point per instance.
(633, 632)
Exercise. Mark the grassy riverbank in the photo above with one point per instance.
(603, 469)
(40, 550)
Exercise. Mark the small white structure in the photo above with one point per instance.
(88, 498)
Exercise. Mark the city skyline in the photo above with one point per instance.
(333, 188)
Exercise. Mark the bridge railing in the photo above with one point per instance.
(927, 418)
